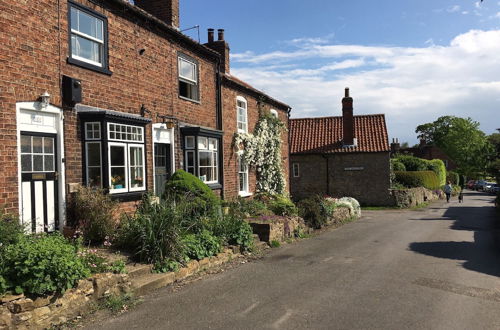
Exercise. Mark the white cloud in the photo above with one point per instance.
(453, 9)
(410, 85)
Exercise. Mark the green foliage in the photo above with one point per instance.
(282, 205)
(92, 213)
(42, 264)
(10, 230)
(3, 285)
(311, 211)
(153, 234)
(412, 163)
(97, 263)
(328, 205)
(438, 167)
(454, 177)
(275, 244)
(461, 139)
(119, 303)
(185, 185)
(166, 265)
(233, 230)
(201, 245)
(397, 165)
(411, 179)
(494, 165)
(246, 207)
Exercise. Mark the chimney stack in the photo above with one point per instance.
(221, 47)
(165, 10)
(395, 146)
(348, 130)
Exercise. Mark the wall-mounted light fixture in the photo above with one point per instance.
(144, 111)
(45, 99)
(168, 121)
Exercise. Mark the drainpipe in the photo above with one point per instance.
(327, 175)
(290, 169)
(218, 107)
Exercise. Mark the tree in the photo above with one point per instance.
(462, 140)
(494, 167)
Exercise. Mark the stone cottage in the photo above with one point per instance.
(110, 94)
(341, 156)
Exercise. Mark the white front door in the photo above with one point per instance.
(41, 168)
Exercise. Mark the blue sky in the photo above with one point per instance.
(413, 60)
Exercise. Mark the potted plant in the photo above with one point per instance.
(117, 182)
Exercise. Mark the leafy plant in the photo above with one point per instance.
(311, 211)
(233, 230)
(166, 265)
(246, 207)
(275, 244)
(397, 165)
(153, 234)
(282, 205)
(329, 205)
(201, 245)
(427, 179)
(10, 230)
(97, 263)
(119, 303)
(41, 264)
(92, 212)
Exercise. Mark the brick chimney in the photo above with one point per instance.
(165, 10)
(221, 47)
(348, 131)
(395, 146)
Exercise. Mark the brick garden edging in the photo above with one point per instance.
(20, 312)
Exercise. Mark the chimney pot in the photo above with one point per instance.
(347, 92)
(348, 129)
(210, 35)
(220, 34)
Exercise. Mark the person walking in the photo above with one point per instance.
(447, 191)
(461, 195)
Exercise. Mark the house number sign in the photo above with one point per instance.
(353, 168)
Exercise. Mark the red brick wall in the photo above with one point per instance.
(33, 52)
(229, 95)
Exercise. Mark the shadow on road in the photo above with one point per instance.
(481, 255)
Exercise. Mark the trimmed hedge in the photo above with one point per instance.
(397, 165)
(413, 179)
(454, 177)
(438, 167)
(413, 163)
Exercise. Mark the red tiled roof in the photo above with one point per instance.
(323, 135)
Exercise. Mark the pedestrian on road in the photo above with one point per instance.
(447, 191)
(461, 195)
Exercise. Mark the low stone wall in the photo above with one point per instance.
(412, 197)
(20, 312)
(339, 215)
(275, 228)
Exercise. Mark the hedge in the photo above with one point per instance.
(454, 177)
(397, 165)
(438, 167)
(413, 163)
(412, 179)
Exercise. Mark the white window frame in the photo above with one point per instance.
(244, 173)
(296, 170)
(88, 37)
(87, 130)
(87, 161)
(194, 83)
(274, 113)
(125, 154)
(195, 149)
(243, 124)
(139, 132)
(214, 154)
(129, 167)
(195, 70)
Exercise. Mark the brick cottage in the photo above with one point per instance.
(109, 94)
(341, 156)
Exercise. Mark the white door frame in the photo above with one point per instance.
(30, 117)
(168, 138)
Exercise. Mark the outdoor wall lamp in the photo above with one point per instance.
(45, 97)
(144, 110)
(168, 121)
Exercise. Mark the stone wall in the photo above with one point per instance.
(412, 197)
(42, 312)
(276, 228)
(363, 176)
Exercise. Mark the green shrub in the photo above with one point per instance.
(3, 284)
(397, 165)
(412, 179)
(92, 213)
(153, 234)
(100, 264)
(311, 211)
(454, 177)
(437, 166)
(282, 205)
(42, 264)
(412, 163)
(183, 185)
(275, 244)
(201, 245)
(328, 205)
(233, 230)
(246, 207)
(10, 230)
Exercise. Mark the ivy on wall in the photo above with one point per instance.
(262, 151)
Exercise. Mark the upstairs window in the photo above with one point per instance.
(88, 34)
(241, 113)
(274, 113)
(188, 78)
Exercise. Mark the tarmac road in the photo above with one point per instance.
(434, 268)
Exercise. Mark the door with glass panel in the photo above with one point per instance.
(163, 166)
(39, 176)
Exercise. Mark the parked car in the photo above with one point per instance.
(492, 188)
(479, 185)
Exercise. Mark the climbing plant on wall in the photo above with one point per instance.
(262, 151)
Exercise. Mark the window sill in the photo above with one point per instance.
(128, 197)
(214, 186)
(190, 100)
(245, 194)
(89, 66)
